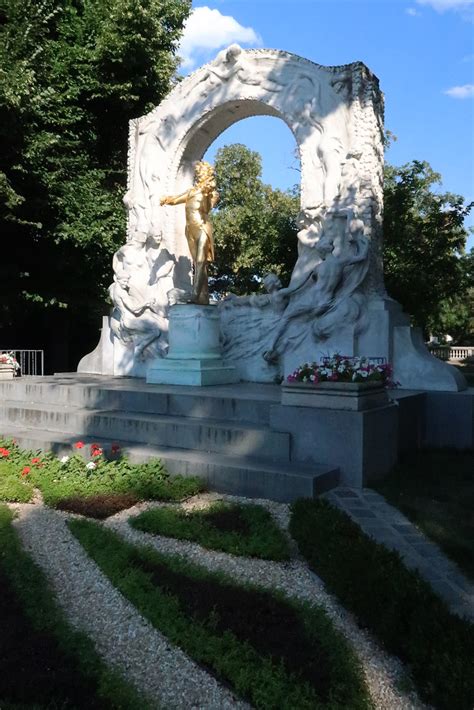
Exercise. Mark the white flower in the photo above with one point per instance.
(91, 465)
(64, 459)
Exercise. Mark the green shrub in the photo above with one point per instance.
(392, 601)
(44, 663)
(13, 486)
(247, 530)
(71, 476)
(274, 652)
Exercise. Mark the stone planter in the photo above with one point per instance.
(351, 396)
(7, 372)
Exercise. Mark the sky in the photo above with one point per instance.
(422, 51)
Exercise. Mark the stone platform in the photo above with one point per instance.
(238, 437)
(221, 433)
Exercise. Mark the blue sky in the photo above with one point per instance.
(421, 50)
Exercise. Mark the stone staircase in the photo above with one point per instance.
(221, 433)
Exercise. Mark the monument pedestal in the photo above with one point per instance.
(194, 356)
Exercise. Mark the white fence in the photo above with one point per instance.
(31, 361)
(453, 353)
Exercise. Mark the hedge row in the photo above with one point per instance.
(44, 663)
(276, 653)
(399, 607)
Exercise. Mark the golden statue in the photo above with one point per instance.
(199, 201)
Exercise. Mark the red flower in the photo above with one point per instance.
(26, 471)
(4, 452)
(36, 459)
(96, 452)
(79, 445)
(115, 448)
(94, 447)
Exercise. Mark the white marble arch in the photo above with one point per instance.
(336, 299)
(334, 113)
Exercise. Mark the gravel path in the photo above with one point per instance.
(145, 657)
(125, 640)
(383, 673)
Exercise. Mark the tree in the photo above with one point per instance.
(254, 224)
(455, 316)
(424, 241)
(72, 74)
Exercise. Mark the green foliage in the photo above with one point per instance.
(189, 604)
(424, 239)
(48, 627)
(246, 530)
(455, 316)
(435, 489)
(13, 487)
(58, 479)
(254, 225)
(72, 74)
(392, 601)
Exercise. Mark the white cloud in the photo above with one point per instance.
(461, 92)
(207, 30)
(412, 12)
(442, 5)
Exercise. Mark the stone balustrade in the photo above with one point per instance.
(458, 352)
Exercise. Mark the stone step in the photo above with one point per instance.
(211, 435)
(226, 474)
(248, 403)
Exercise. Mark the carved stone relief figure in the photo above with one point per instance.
(310, 222)
(153, 139)
(332, 280)
(232, 63)
(276, 297)
(141, 281)
(135, 321)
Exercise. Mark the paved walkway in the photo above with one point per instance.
(389, 526)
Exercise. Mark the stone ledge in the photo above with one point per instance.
(349, 396)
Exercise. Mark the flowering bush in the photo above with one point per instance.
(9, 359)
(341, 368)
(74, 475)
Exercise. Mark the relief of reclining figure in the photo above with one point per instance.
(323, 281)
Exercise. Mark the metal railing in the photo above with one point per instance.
(453, 353)
(31, 361)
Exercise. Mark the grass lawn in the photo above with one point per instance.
(247, 530)
(272, 651)
(435, 489)
(44, 663)
(468, 372)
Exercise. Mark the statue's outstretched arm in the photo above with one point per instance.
(175, 200)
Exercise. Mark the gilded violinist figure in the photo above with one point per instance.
(199, 201)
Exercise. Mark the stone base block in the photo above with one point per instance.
(362, 444)
(194, 356)
(7, 374)
(350, 396)
(198, 372)
(416, 368)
